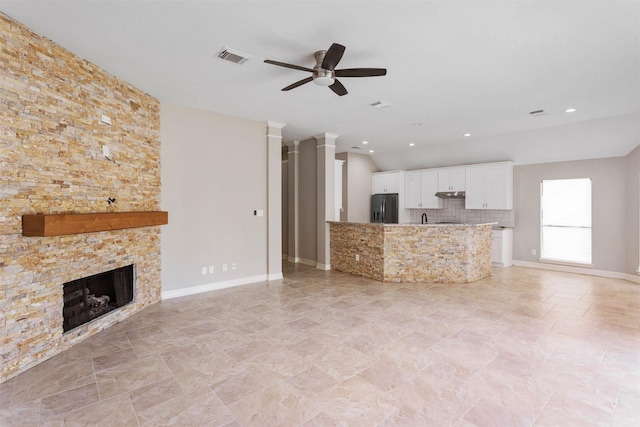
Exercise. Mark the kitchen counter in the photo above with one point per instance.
(445, 253)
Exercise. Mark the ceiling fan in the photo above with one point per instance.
(324, 73)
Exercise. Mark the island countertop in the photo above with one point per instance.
(446, 253)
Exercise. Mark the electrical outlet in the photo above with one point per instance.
(357, 257)
(533, 251)
(211, 269)
(204, 270)
(233, 266)
(105, 119)
(105, 151)
(224, 267)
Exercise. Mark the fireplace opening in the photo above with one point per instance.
(90, 297)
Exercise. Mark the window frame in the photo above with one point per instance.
(573, 263)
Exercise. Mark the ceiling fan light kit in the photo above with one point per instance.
(324, 72)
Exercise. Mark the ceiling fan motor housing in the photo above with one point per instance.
(321, 76)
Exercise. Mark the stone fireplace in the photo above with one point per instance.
(91, 297)
(51, 161)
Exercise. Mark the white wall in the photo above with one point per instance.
(285, 209)
(214, 174)
(606, 137)
(359, 170)
(633, 210)
(609, 205)
(308, 200)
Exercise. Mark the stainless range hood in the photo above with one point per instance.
(451, 194)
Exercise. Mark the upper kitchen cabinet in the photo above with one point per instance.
(451, 179)
(420, 189)
(387, 182)
(489, 186)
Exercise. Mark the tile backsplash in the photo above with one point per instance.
(454, 211)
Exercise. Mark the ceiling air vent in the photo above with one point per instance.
(537, 113)
(381, 104)
(356, 147)
(233, 55)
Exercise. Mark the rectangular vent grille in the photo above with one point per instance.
(356, 147)
(233, 55)
(537, 113)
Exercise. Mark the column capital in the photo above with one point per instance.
(293, 145)
(326, 135)
(276, 125)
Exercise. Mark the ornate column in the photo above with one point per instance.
(325, 181)
(274, 200)
(293, 163)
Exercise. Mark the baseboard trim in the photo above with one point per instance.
(306, 262)
(632, 278)
(578, 270)
(198, 289)
(275, 276)
(321, 266)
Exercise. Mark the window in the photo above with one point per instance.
(565, 220)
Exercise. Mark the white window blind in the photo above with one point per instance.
(566, 221)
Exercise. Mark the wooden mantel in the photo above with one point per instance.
(46, 225)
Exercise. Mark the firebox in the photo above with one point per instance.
(90, 297)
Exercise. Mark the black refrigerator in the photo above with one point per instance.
(384, 208)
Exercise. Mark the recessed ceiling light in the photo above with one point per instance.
(365, 142)
(467, 134)
(411, 144)
(371, 151)
(569, 110)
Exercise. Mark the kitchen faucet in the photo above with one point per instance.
(424, 219)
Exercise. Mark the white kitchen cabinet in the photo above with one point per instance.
(502, 247)
(420, 189)
(489, 186)
(451, 179)
(387, 182)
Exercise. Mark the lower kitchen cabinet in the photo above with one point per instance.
(502, 247)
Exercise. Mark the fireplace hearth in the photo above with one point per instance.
(90, 297)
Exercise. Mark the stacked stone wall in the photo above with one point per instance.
(51, 161)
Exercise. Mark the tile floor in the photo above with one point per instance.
(523, 347)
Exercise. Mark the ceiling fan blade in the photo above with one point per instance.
(298, 83)
(333, 56)
(361, 72)
(338, 88)
(284, 64)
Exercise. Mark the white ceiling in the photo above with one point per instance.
(453, 67)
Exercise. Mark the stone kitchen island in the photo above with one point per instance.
(443, 253)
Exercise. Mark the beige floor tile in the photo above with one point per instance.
(275, 406)
(236, 387)
(322, 348)
(51, 377)
(24, 414)
(130, 376)
(115, 411)
(60, 403)
(355, 402)
(198, 407)
(154, 394)
(341, 362)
